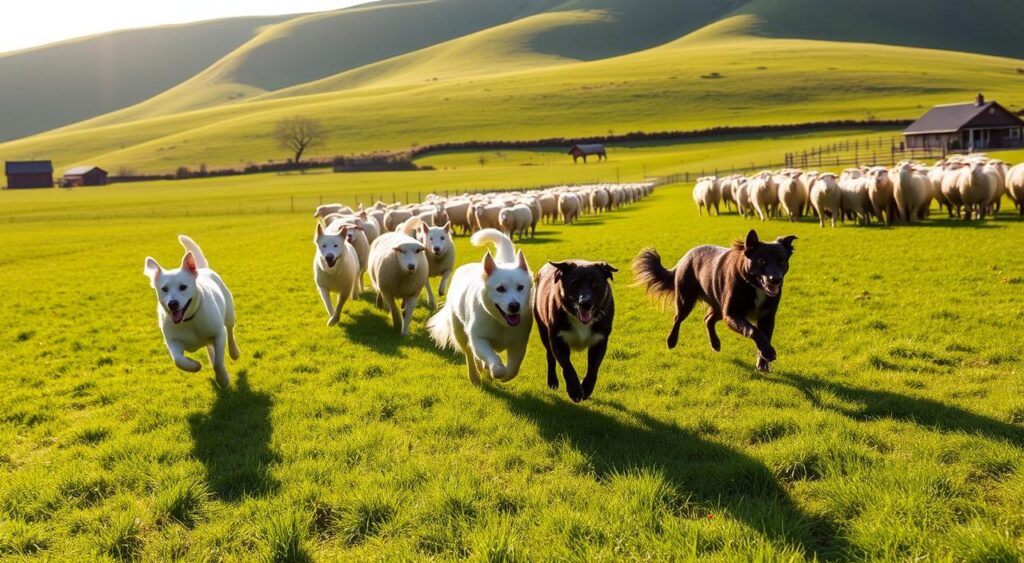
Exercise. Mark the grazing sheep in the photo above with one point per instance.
(741, 192)
(1015, 186)
(728, 186)
(549, 205)
(764, 195)
(792, 197)
(332, 208)
(398, 270)
(600, 200)
(976, 184)
(826, 198)
(535, 212)
(569, 207)
(457, 211)
(395, 217)
(951, 186)
(855, 199)
(486, 216)
(880, 194)
(910, 191)
(935, 175)
(515, 220)
(707, 194)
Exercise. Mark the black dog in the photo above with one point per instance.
(739, 283)
(574, 310)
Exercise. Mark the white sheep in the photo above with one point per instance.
(792, 196)
(569, 207)
(826, 198)
(1015, 186)
(707, 194)
(398, 270)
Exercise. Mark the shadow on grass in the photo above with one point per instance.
(233, 442)
(705, 472)
(372, 328)
(875, 405)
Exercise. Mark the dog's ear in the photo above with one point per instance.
(522, 262)
(319, 231)
(426, 229)
(751, 243)
(489, 265)
(188, 264)
(448, 227)
(787, 242)
(607, 268)
(344, 233)
(561, 268)
(151, 270)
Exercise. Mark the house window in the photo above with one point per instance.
(1015, 133)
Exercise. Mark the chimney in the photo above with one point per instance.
(980, 101)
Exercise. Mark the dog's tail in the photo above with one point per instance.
(191, 246)
(506, 252)
(440, 328)
(648, 272)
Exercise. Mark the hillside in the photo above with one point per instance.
(990, 27)
(583, 67)
(51, 86)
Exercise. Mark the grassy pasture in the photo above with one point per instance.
(892, 426)
(456, 171)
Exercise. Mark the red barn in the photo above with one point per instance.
(29, 174)
(84, 176)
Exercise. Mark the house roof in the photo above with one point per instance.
(951, 118)
(588, 148)
(81, 170)
(28, 167)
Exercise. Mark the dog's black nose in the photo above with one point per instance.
(437, 250)
(584, 300)
(412, 267)
(513, 307)
(775, 279)
(173, 305)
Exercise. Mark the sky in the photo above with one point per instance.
(28, 23)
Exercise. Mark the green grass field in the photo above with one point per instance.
(892, 425)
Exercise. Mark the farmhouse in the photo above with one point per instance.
(84, 176)
(584, 151)
(29, 174)
(978, 125)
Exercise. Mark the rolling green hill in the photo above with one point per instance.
(54, 85)
(537, 69)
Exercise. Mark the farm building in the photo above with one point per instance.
(585, 151)
(84, 176)
(978, 125)
(29, 174)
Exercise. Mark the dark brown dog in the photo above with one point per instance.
(740, 284)
(574, 310)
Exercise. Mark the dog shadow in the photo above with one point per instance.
(704, 472)
(372, 328)
(233, 442)
(874, 405)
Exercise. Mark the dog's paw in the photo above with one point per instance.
(763, 365)
(768, 353)
(552, 382)
(575, 393)
(716, 345)
(672, 341)
(190, 365)
(332, 321)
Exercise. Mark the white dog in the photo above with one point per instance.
(489, 310)
(195, 309)
(440, 257)
(335, 268)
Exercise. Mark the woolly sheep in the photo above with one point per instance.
(398, 270)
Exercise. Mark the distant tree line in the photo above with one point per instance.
(401, 161)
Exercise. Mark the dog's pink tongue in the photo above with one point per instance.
(585, 316)
(513, 320)
(177, 316)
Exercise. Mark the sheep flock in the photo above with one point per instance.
(968, 187)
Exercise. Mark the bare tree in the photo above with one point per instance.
(298, 134)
